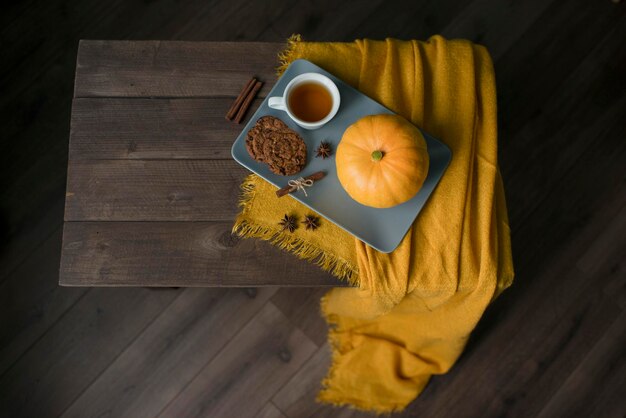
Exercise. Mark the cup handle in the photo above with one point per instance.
(277, 103)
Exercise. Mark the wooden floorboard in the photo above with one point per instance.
(270, 411)
(169, 352)
(541, 59)
(297, 397)
(246, 373)
(84, 341)
(31, 301)
(552, 345)
(604, 363)
(496, 24)
(302, 306)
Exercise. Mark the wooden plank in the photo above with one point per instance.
(580, 394)
(302, 307)
(591, 312)
(297, 397)
(152, 129)
(172, 68)
(168, 354)
(23, 235)
(57, 368)
(538, 60)
(553, 352)
(177, 254)
(306, 18)
(375, 19)
(427, 18)
(495, 24)
(560, 127)
(238, 20)
(606, 397)
(270, 411)
(228, 386)
(535, 189)
(541, 162)
(31, 301)
(140, 190)
(30, 209)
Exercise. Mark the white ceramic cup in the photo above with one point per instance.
(282, 103)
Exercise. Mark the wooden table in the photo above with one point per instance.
(152, 189)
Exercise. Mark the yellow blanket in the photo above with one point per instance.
(413, 309)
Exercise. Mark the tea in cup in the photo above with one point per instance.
(310, 100)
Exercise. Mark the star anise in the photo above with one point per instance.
(288, 223)
(324, 150)
(311, 222)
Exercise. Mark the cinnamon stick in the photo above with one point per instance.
(247, 102)
(239, 100)
(288, 189)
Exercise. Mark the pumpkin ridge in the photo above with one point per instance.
(406, 159)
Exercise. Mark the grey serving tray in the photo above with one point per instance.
(382, 229)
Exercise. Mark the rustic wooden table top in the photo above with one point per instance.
(152, 189)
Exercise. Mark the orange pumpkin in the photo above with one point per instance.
(382, 160)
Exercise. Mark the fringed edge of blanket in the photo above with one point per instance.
(244, 228)
(286, 56)
(328, 395)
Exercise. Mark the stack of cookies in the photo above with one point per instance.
(272, 142)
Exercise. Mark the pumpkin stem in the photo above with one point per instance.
(377, 155)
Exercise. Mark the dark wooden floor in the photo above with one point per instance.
(552, 345)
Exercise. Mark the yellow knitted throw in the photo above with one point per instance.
(413, 310)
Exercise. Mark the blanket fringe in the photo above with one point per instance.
(286, 56)
(302, 249)
(327, 395)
